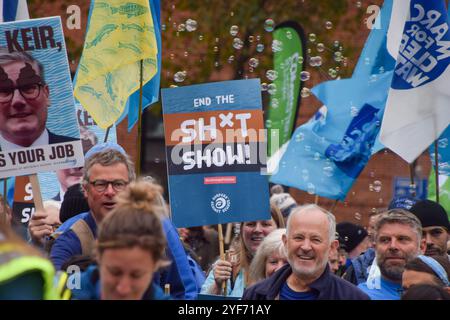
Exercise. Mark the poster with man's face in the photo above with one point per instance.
(38, 125)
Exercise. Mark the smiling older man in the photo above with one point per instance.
(309, 238)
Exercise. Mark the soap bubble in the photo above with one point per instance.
(443, 143)
(312, 37)
(191, 25)
(299, 137)
(332, 73)
(277, 45)
(271, 75)
(269, 25)
(311, 189)
(305, 92)
(272, 88)
(234, 30)
(238, 43)
(320, 47)
(253, 62)
(260, 47)
(377, 186)
(180, 76)
(305, 75)
(328, 25)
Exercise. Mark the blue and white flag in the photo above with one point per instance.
(12, 10)
(418, 105)
(327, 154)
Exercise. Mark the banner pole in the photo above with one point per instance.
(138, 156)
(5, 200)
(334, 205)
(316, 199)
(107, 134)
(222, 255)
(228, 233)
(37, 196)
(412, 167)
(436, 169)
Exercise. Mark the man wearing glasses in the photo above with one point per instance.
(24, 99)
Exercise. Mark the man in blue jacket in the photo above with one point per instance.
(108, 170)
(310, 236)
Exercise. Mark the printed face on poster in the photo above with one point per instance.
(216, 153)
(38, 126)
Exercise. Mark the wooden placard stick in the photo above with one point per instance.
(222, 255)
(37, 196)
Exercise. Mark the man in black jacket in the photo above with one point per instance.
(309, 237)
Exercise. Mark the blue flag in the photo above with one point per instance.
(325, 155)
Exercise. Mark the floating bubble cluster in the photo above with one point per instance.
(238, 43)
(191, 25)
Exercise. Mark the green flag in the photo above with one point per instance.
(289, 57)
(444, 190)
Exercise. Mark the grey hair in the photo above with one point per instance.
(106, 158)
(311, 207)
(7, 57)
(399, 216)
(272, 243)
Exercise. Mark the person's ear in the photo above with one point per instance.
(423, 245)
(46, 90)
(83, 187)
(334, 245)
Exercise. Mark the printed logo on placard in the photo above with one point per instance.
(220, 203)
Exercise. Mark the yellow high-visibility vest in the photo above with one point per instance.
(14, 262)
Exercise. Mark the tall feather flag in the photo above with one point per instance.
(327, 154)
(150, 91)
(443, 157)
(12, 10)
(418, 104)
(119, 36)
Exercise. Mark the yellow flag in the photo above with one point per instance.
(120, 35)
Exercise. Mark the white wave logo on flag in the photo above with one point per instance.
(418, 105)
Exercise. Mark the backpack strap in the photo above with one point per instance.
(87, 239)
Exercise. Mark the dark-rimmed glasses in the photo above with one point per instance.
(29, 92)
(102, 185)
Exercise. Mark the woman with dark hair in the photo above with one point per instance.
(236, 271)
(427, 270)
(130, 248)
(426, 292)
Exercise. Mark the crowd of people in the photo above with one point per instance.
(117, 241)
